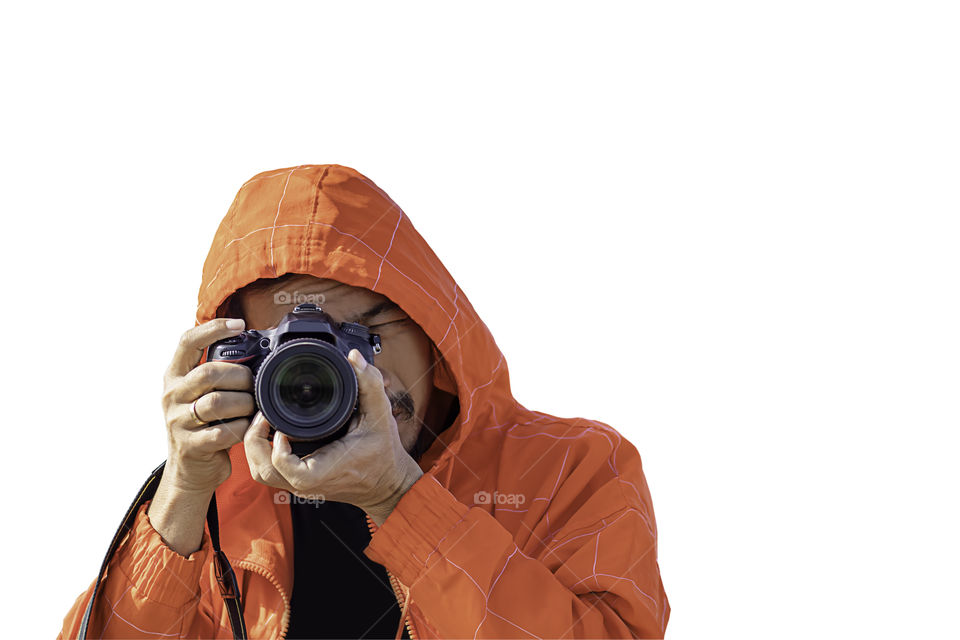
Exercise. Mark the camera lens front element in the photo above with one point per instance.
(306, 388)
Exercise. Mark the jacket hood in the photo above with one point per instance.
(331, 221)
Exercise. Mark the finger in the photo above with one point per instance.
(222, 405)
(374, 403)
(256, 445)
(216, 437)
(283, 458)
(326, 458)
(210, 376)
(296, 471)
(194, 341)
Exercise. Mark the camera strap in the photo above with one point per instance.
(226, 578)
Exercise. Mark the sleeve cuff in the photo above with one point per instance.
(411, 535)
(156, 571)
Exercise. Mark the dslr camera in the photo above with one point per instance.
(304, 385)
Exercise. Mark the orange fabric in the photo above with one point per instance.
(524, 524)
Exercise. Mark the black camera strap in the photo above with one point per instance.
(226, 578)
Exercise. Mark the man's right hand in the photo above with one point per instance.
(198, 460)
(197, 450)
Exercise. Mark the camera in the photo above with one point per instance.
(304, 385)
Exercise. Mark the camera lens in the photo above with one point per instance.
(307, 387)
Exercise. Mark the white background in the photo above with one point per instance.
(727, 229)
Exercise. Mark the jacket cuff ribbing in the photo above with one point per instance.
(156, 571)
(411, 535)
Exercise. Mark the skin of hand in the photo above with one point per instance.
(367, 467)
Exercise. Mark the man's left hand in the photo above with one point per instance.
(367, 467)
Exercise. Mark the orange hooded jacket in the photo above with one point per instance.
(573, 555)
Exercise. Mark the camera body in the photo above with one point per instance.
(304, 385)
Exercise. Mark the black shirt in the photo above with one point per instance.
(338, 592)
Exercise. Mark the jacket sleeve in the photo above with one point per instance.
(592, 579)
(148, 591)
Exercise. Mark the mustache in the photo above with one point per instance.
(403, 405)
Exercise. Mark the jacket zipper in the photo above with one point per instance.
(395, 584)
(398, 588)
(285, 623)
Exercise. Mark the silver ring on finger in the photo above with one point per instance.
(193, 410)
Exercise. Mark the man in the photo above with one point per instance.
(448, 510)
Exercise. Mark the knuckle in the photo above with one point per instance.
(374, 373)
(205, 374)
(277, 459)
(231, 430)
(180, 433)
(219, 374)
(186, 338)
(215, 433)
(213, 438)
(262, 474)
(225, 438)
(189, 442)
(199, 440)
(177, 425)
(215, 402)
(209, 443)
